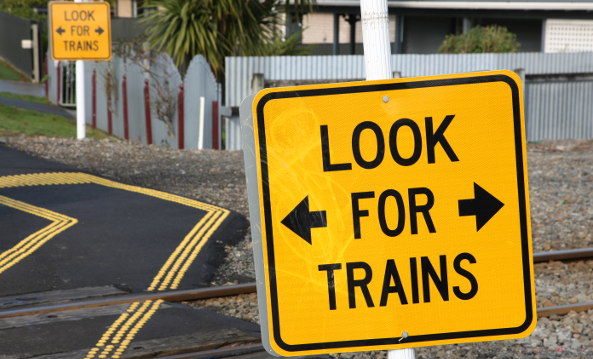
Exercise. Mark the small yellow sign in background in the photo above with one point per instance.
(394, 213)
(80, 31)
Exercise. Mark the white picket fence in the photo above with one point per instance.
(558, 89)
(145, 99)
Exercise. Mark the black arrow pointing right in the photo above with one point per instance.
(300, 220)
(484, 206)
(99, 30)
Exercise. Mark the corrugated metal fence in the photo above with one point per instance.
(145, 99)
(559, 109)
(558, 104)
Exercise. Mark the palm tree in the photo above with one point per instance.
(218, 28)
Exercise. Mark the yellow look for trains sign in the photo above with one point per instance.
(80, 31)
(391, 214)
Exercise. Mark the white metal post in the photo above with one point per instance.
(375, 38)
(409, 353)
(80, 98)
(377, 58)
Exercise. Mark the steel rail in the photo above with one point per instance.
(170, 296)
(241, 351)
(219, 352)
(564, 309)
(231, 290)
(563, 255)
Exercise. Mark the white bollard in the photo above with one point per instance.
(201, 123)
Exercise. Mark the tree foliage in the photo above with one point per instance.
(219, 28)
(23, 8)
(481, 39)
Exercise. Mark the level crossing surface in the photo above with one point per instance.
(67, 235)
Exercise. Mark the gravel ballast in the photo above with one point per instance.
(561, 196)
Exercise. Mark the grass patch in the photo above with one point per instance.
(25, 97)
(14, 121)
(8, 73)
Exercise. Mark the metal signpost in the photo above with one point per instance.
(377, 55)
(80, 31)
(389, 214)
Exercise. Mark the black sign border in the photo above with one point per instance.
(260, 123)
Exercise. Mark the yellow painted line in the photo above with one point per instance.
(200, 237)
(31, 243)
(122, 332)
(197, 248)
(41, 179)
(172, 258)
(64, 178)
(126, 325)
(132, 333)
(27, 246)
(189, 250)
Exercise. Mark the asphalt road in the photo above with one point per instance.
(62, 230)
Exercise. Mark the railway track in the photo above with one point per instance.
(255, 350)
(563, 255)
(237, 351)
(233, 290)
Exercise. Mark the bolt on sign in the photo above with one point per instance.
(390, 214)
(80, 31)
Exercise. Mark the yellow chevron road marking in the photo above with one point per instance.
(123, 330)
(31, 243)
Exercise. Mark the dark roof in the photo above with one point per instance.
(573, 5)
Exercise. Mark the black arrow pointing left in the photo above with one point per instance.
(60, 31)
(300, 220)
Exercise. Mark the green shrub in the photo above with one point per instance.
(24, 8)
(481, 39)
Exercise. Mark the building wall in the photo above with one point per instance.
(319, 29)
(124, 8)
(125, 29)
(563, 35)
(421, 34)
(424, 35)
